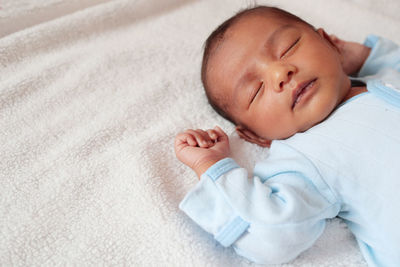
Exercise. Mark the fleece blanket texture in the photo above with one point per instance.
(92, 93)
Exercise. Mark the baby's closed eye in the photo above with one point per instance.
(290, 48)
(257, 91)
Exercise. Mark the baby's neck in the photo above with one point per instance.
(355, 89)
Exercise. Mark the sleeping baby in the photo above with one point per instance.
(330, 112)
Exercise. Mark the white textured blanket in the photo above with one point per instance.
(92, 93)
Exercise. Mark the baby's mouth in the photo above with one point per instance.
(300, 90)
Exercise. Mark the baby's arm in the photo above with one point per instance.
(269, 218)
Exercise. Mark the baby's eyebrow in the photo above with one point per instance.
(274, 36)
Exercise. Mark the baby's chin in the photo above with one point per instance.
(311, 124)
(299, 129)
(278, 136)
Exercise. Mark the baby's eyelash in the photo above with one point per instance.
(258, 90)
(287, 50)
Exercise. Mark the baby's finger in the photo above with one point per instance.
(212, 134)
(198, 136)
(221, 134)
(190, 140)
(207, 139)
(184, 138)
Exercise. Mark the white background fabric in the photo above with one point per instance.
(92, 94)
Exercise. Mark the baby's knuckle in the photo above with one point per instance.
(180, 134)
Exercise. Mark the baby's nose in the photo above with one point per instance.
(282, 75)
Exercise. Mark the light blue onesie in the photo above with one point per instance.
(346, 166)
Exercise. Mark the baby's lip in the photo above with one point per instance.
(299, 88)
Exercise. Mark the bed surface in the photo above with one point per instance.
(92, 94)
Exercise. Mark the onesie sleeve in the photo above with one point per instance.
(384, 54)
(269, 218)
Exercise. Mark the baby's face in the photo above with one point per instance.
(278, 77)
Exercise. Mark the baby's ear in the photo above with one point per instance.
(331, 39)
(251, 137)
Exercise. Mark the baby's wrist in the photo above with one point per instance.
(204, 166)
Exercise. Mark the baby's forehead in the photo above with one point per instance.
(248, 33)
(268, 19)
(240, 39)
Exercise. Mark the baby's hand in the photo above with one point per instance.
(353, 54)
(200, 149)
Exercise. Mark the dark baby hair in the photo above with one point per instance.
(217, 36)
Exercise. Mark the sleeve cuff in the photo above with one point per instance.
(369, 68)
(371, 40)
(221, 167)
(384, 54)
(208, 206)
